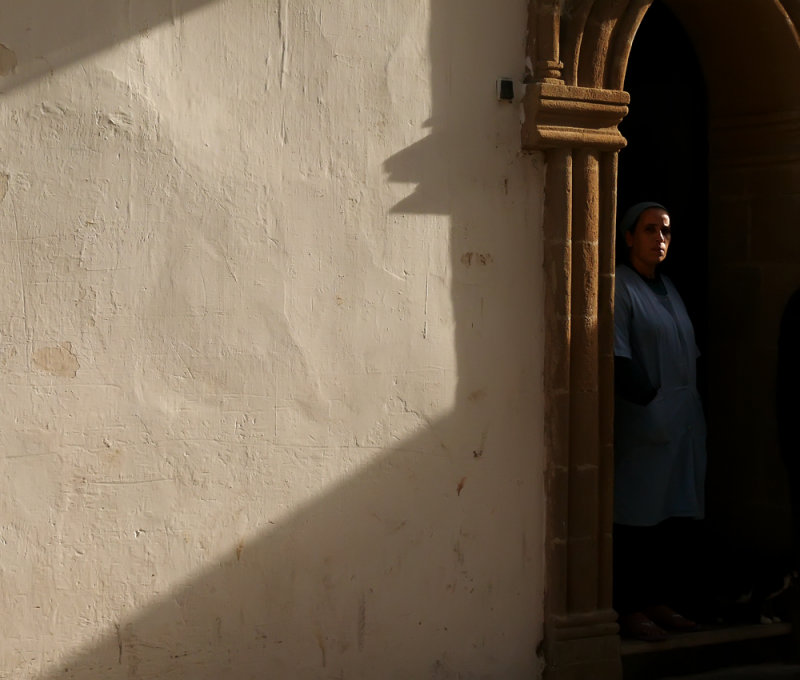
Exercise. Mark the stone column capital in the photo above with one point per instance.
(559, 115)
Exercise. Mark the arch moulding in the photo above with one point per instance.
(572, 111)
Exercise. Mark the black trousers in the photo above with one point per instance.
(656, 565)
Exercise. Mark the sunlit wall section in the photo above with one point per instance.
(270, 342)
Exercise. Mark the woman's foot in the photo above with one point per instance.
(668, 618)
(639, 627)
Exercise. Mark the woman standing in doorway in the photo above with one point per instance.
(659, 440)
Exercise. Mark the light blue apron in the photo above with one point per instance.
(659, 449)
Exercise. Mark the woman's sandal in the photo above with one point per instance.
(670, 619)
(639, 627)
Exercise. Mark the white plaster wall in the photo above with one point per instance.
(270, 342)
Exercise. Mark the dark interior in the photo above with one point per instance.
(667, 160)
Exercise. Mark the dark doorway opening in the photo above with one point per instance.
(666, 159)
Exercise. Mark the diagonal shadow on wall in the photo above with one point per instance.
(48, 36)
(426, 563)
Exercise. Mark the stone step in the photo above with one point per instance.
(710, 649)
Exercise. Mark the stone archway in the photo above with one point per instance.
(751, 57)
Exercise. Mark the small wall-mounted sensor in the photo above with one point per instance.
(505, 90)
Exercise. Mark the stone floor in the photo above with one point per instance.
(758, 672)
(734, 653)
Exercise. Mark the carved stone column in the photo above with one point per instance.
(576, 128)
(579, 52)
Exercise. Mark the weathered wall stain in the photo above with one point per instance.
(477, 453)
(321, 645)
(119, 643)
(8, 60)
(479, 259)
(362, 621)
(4, 178)
(59, 360)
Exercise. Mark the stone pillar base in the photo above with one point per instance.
(593, 658)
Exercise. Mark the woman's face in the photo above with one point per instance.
(649, 240)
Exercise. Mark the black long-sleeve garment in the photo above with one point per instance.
(631, 382)
(787, 397)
